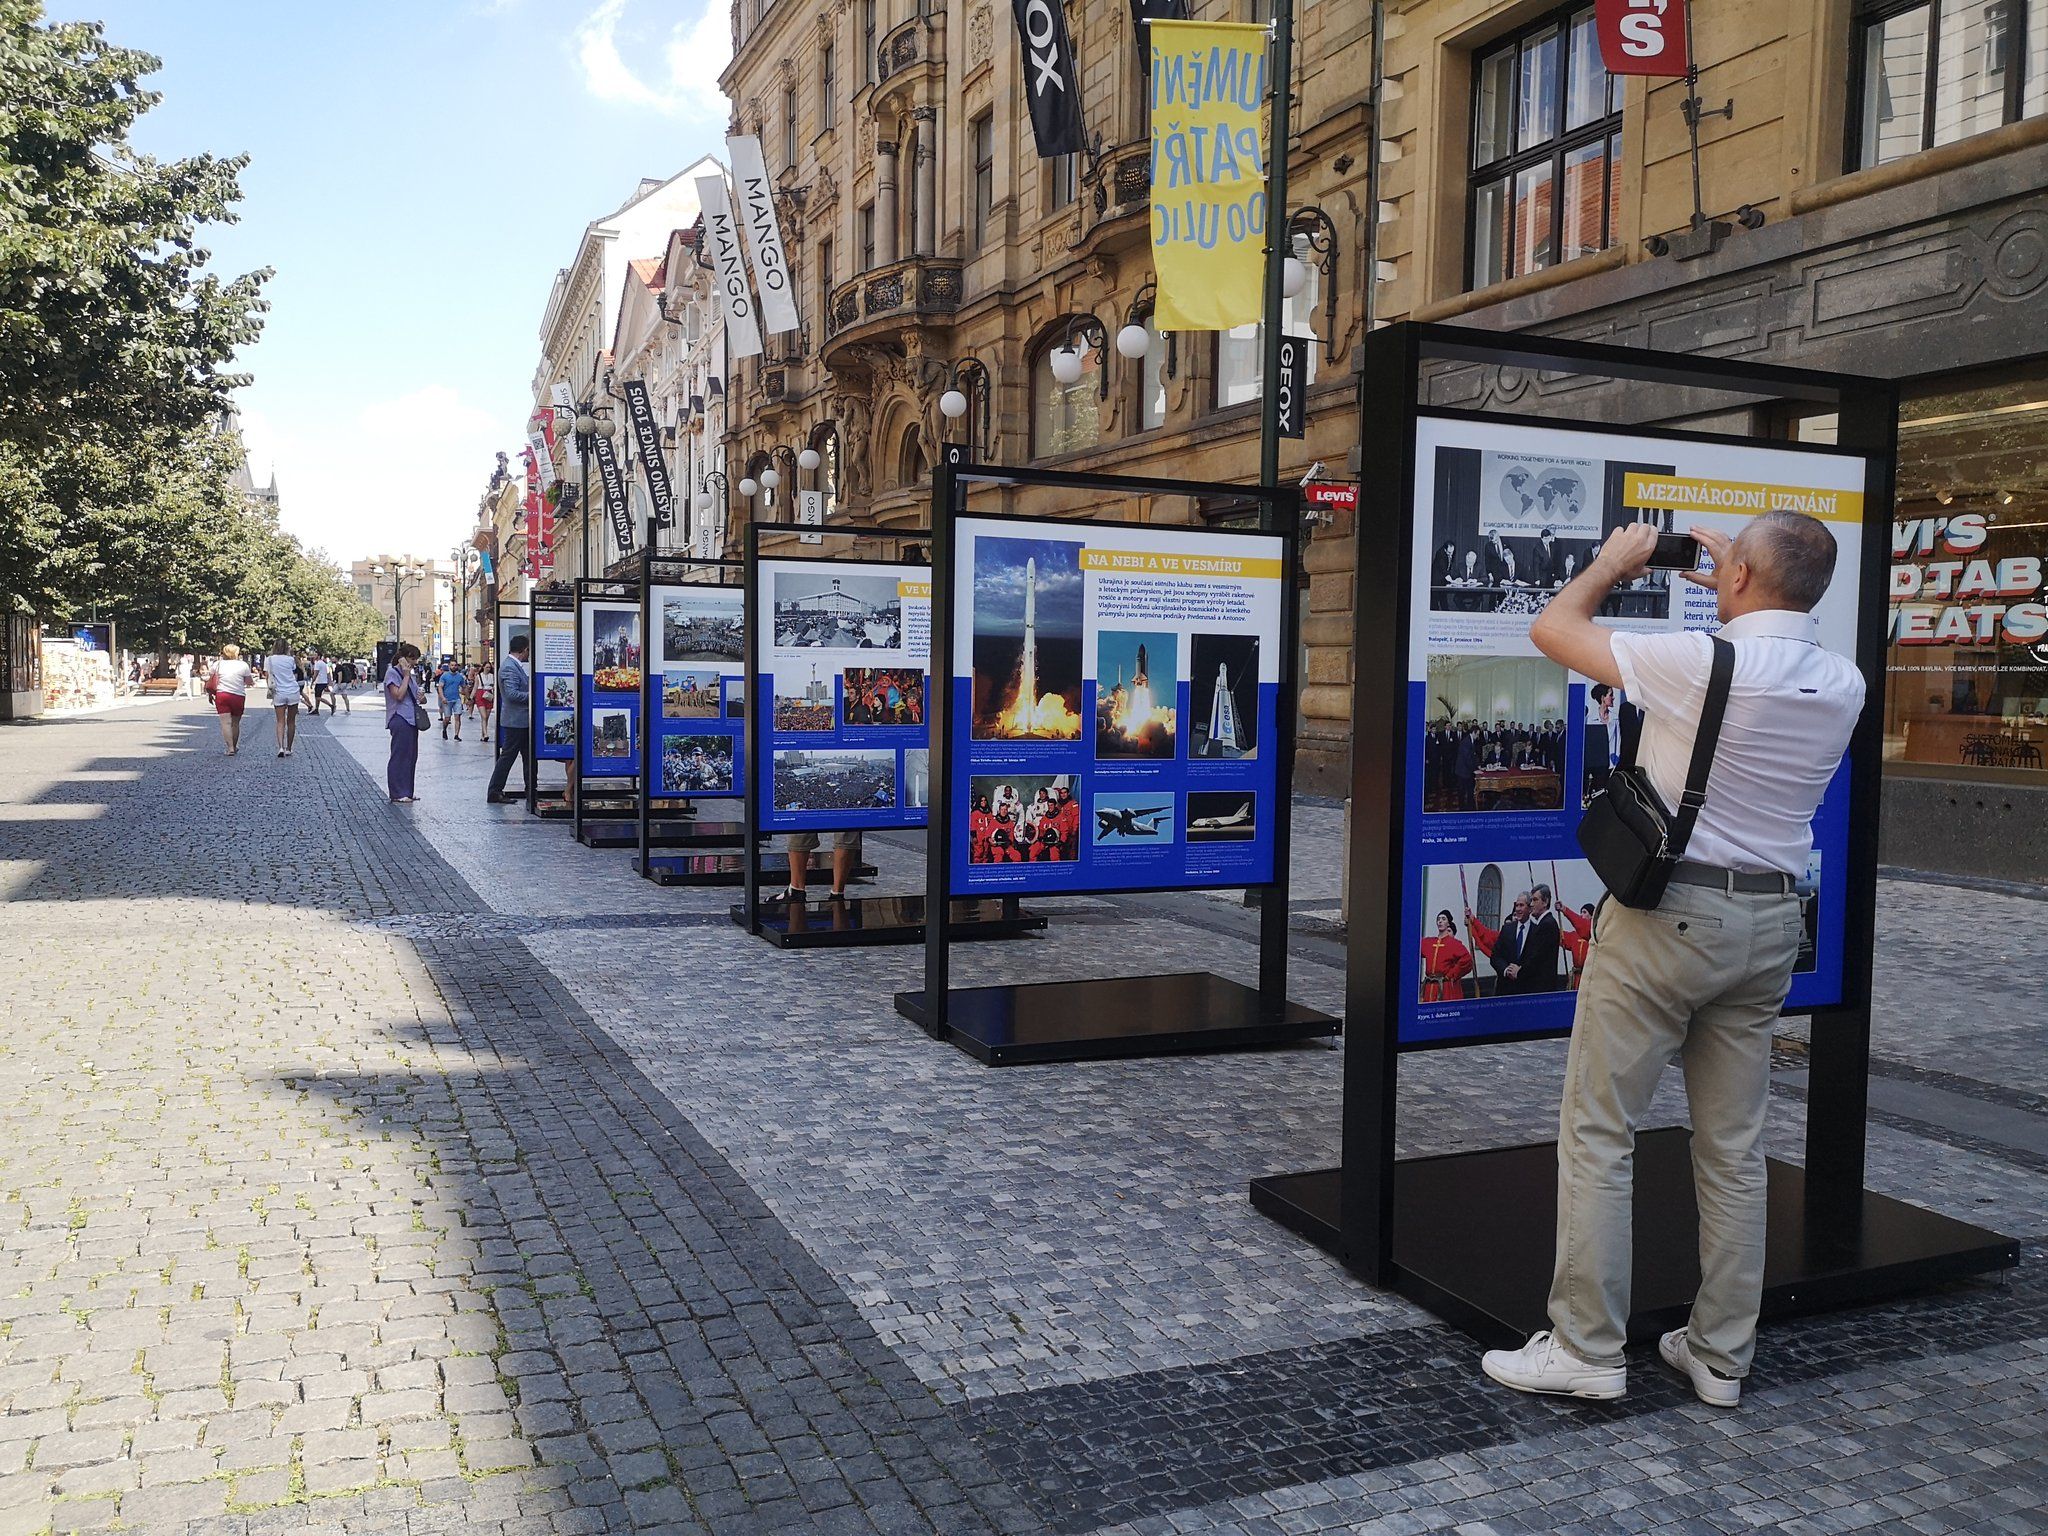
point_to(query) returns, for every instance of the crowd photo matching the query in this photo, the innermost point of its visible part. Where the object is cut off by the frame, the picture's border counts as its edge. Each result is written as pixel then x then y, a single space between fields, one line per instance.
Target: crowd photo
pixel 1023 819
pixel 698 765
pixel 1494 734
pixel 703 625
pixel 882 695
pixel 840 780
pixel 838 612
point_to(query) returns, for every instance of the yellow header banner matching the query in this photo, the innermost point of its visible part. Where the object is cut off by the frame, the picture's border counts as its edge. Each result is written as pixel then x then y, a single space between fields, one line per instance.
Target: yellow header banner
pixel 1208 90
pixel 914 588
pixel 1684 494
pixel 1145 562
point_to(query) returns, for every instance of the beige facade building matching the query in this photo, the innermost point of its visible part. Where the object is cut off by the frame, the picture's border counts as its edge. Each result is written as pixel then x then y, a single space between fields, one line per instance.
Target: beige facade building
pixel 1873 199
pixel 416 592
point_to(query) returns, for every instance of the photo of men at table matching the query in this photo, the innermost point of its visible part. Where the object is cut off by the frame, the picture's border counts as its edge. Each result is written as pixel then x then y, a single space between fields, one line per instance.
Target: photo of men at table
pixel 1494 734
pixel 1508 532
pixel 1505 929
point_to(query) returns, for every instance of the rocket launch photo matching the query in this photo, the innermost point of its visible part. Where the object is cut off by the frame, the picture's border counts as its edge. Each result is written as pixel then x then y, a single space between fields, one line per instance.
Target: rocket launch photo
pixel 1027 640
pixel 1137 685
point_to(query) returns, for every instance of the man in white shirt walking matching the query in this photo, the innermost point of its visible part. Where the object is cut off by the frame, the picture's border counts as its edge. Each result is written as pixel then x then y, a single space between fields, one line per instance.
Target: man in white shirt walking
pixel 1703 975
pixel 281 669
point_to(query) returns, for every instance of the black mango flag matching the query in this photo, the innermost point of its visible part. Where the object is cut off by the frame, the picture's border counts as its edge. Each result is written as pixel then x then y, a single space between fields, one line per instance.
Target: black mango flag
pixel 1052 85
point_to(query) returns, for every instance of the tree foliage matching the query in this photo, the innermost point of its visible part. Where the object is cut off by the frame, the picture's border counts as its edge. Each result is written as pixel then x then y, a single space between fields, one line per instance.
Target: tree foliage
pixel 117 347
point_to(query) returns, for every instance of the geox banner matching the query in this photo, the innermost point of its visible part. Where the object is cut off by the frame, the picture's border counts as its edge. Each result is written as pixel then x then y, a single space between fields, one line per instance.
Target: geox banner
pixel 729 268
pixel 648 436
pixel 1208 91
pixel 1052 85
pixel 614 484
pixel 764 233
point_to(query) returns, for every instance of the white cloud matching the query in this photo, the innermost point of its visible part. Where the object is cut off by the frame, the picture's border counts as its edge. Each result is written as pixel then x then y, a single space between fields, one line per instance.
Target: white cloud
pixel 696 53
pixel 400 476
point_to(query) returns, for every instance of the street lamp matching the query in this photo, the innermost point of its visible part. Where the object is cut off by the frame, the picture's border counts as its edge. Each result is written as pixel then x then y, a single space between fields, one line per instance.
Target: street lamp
pixel 400 572
pixel 705 501
pixel 590 426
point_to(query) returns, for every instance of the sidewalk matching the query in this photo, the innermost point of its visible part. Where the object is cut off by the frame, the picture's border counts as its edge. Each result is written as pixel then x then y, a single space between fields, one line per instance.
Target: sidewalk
pixel 408 1169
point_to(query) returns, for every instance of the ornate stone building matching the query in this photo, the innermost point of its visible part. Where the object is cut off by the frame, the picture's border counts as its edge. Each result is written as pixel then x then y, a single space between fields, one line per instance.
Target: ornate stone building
pixel 933 248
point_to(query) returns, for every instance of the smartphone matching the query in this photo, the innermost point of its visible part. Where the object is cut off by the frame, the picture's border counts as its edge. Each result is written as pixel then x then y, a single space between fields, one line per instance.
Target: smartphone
pixel 1676 552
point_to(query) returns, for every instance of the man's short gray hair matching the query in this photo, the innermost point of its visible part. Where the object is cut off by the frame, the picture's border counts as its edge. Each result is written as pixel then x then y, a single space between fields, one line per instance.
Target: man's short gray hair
pixel 1792 555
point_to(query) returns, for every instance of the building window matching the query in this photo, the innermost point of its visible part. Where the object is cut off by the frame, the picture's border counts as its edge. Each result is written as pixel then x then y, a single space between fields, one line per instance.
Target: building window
pixel 1929 72
pixel 1065 417
pixel 1059 182
pixel 984 176
pixel 864 225
pixel 828 87
pixel 912 468
pixel 826 441
pixel 825 277
pixel 1967 693
pixel 789 125
pixel 1152 378
pixel 1240 360
pixel 1546 149
pixel 869 67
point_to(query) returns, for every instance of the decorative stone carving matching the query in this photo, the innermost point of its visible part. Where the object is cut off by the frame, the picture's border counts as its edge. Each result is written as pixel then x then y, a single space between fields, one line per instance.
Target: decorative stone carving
pixel 981 35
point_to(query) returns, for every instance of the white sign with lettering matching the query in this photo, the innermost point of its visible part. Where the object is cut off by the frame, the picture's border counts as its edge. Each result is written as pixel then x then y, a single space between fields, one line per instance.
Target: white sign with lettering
pixel 764 234
pixel 729 269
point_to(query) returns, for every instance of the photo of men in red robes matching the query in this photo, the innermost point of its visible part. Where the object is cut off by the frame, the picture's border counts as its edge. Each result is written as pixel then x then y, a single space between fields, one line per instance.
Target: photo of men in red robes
pixel 1446 962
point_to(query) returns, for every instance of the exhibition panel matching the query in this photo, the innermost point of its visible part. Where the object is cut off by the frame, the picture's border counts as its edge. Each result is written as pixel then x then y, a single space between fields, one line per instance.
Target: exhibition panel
pixel 1118 716
pixel 1505 748
pixel 513 620
pixel 1470 908
pixel 610 647
pixel 1115 691
pixel 552 714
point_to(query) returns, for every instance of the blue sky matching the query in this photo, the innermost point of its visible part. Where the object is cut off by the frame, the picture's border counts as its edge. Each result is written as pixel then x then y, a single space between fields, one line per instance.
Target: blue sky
pixel 420 171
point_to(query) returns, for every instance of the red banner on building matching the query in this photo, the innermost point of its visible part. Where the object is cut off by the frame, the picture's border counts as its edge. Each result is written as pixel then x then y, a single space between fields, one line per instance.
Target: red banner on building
pixel 540 522
pixel 1642 37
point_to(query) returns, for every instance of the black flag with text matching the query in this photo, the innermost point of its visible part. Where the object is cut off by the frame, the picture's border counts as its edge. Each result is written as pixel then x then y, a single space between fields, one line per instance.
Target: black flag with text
pixel 1052 85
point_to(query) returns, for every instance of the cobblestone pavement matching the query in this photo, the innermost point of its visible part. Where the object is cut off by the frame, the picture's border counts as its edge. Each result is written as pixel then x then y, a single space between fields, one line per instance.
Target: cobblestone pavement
pixel 381 1170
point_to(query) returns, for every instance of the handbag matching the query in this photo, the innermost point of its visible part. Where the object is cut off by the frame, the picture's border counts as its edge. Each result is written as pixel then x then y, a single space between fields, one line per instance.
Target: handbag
pixel 1629 837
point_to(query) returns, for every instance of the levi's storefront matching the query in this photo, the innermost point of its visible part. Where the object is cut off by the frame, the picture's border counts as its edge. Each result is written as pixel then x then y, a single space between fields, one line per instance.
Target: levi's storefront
pixel 1966 706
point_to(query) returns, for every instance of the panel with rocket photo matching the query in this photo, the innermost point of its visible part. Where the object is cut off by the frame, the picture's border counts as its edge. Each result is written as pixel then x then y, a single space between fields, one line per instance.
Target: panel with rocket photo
pixel 1135 688
pixel 1027 640
pixel 1223 689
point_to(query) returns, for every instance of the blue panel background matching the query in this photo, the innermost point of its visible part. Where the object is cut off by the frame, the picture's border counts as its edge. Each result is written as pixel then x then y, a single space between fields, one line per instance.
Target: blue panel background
pixel 723 725
pixel 541 750
pixel 842 735
pixel 1541 836
pixel 1177 865
pixel 588 702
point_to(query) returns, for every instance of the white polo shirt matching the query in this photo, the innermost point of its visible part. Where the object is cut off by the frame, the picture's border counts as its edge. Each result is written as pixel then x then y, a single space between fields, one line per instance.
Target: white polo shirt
pixel 1791 709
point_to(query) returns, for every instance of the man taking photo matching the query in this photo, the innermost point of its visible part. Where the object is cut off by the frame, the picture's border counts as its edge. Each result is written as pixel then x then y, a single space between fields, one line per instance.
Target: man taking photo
pixel 515 696
pixel 1702 976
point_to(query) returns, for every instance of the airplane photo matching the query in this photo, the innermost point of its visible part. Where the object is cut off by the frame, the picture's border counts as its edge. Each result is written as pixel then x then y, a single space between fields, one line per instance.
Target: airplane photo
pixel 1217 823
pixel 1126 821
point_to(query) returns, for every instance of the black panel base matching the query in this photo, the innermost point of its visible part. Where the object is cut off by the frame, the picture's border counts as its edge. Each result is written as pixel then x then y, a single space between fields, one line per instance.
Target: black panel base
pixel 824 923
pixel 553 810
pixel 729 868
pixel 1114 1016
pixel 596 833
pixel 1474 1237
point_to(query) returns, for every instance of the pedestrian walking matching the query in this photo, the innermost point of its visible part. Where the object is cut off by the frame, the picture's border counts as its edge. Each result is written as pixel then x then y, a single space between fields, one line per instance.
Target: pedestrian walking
pixel 1703 975
pixel 405 717
pixel 323 684
pixel 484 697
pixel 227 684
pixel 448 686
pixel 281 670
pixel 515 702
pixel 186 664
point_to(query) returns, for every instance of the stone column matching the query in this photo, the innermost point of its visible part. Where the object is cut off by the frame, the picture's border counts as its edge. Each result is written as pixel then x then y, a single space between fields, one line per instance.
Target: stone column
pixel 885 202
pixel 925 207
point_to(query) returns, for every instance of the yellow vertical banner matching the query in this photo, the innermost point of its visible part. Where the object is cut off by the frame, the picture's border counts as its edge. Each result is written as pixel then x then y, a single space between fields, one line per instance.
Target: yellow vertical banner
pixel 1208 89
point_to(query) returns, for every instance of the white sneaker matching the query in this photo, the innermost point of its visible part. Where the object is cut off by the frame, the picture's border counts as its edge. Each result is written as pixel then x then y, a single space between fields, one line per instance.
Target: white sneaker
pixel 1708 1384
pixel 1544 1365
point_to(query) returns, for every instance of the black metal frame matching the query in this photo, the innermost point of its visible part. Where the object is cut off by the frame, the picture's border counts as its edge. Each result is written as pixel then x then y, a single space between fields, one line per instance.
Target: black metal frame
pixel 1603 129
pixel 518 610
pixel 1278 1020
pixel 1874 13
pixel 1356 1218
pixel 539 602
pixel 591 589
pixel 661 568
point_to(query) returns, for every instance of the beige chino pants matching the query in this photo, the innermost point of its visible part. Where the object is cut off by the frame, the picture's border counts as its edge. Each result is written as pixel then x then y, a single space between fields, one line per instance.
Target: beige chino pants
pixel 1702 978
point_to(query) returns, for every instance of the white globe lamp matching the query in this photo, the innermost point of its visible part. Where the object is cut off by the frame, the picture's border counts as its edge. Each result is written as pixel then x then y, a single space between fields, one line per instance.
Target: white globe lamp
pixel 1066 364
pixel 1132 341
pixel 809 459
pixel 748 487
pixel 952 405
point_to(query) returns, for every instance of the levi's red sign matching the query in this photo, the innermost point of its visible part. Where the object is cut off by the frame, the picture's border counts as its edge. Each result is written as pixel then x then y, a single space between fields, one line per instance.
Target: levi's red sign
pixel 1339 495
pixel 1641 37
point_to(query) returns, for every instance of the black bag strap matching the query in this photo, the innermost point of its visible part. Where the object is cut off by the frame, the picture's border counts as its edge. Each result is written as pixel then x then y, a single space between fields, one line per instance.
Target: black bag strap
pixel 1712 709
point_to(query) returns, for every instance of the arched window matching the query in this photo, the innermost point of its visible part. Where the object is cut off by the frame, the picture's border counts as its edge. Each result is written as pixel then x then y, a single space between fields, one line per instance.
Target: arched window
pixel 1065 417
pixel 1151 380
pixel 763 508
pixel 911 466
pixel 825 478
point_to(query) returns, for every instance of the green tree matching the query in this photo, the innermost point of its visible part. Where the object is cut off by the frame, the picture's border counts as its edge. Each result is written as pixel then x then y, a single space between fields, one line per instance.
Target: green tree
pixel 115 340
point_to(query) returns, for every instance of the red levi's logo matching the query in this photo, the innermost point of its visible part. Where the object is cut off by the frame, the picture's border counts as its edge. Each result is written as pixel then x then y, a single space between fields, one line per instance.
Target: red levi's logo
pixel 1641 37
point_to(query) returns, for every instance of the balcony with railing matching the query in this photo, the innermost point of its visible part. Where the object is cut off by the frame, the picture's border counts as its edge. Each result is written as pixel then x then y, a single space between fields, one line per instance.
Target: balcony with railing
pixel 916 289
pixel 1118 184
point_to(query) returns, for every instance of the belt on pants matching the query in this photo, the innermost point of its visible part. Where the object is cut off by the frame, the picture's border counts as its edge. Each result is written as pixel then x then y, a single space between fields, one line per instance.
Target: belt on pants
pixel 1733 881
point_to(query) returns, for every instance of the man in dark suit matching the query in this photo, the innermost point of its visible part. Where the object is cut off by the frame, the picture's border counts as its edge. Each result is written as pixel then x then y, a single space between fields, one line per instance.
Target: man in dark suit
pixel 1500 561
pixel 1465 769
pixel 1539 565
pixel 1510 954
pixel 1540 948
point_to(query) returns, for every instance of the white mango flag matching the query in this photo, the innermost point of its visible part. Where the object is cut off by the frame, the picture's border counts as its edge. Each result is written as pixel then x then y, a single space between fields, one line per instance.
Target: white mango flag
pixel 764 233
pixel 742 329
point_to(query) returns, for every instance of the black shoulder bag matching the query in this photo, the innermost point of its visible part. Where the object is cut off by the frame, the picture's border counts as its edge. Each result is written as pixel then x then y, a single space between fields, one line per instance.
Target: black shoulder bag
pixel 1630 839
